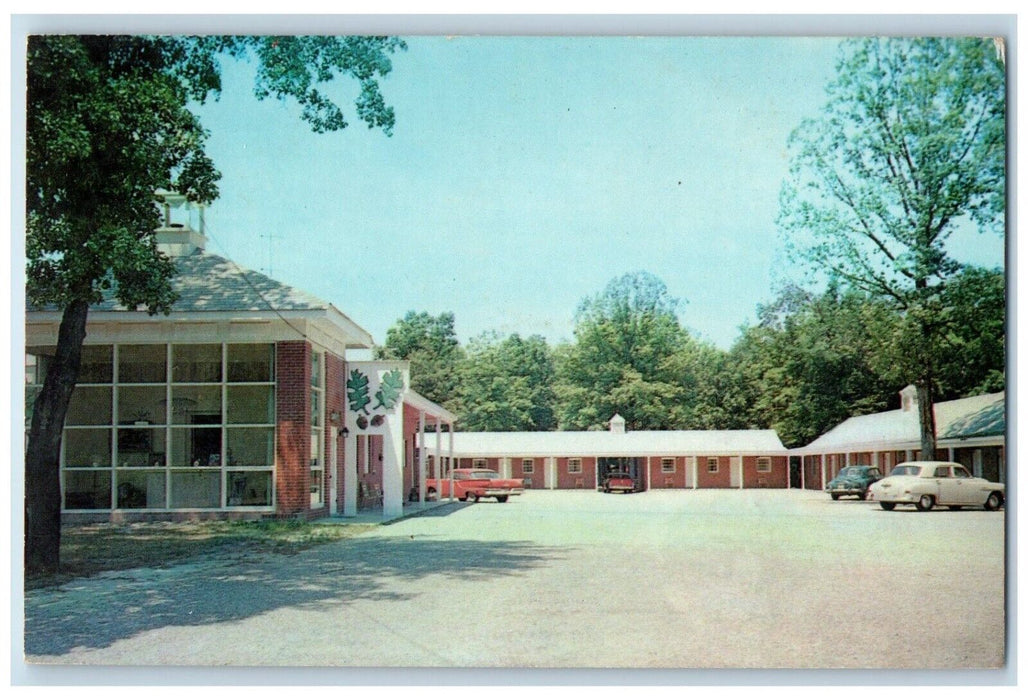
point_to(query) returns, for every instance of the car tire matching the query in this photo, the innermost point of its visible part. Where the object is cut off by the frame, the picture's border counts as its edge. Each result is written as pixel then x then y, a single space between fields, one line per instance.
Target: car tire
pixel 926 502
pixel 501 499
pixel 835 497
pixel 994 501
pixel 862 495
pixel 886 505
pixel 430 495
pixel 472 498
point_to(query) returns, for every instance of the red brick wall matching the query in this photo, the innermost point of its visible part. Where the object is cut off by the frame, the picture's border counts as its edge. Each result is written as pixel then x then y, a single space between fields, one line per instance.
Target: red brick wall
pixel 537 475
pixel 586 479
pixel 659 480
pixel 292 402
pixel 777 478
pixel 720 480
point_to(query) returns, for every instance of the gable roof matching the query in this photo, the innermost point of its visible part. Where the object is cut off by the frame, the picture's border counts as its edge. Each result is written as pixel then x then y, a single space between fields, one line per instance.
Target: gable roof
pixel 598 443
pixel 961 419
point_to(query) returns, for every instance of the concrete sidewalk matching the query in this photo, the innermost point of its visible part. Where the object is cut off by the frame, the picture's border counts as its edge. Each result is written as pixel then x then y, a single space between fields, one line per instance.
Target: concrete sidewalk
pixel 375 516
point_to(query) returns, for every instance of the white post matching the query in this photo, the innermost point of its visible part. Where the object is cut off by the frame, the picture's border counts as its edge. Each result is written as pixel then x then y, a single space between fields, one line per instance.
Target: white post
pixel 824 466
pixel 451 462
pixel 422 461
pixel 695 472
pixel 437 463
pixel 350 475
pixel 333 471
pixel 742 471
pixel 392 468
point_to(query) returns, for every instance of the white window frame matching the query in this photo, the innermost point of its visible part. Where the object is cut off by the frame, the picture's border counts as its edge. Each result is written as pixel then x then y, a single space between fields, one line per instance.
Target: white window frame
pixel 528 466
pixel 574 465
pixel 764 465
pixel 664 462
pixel 715 463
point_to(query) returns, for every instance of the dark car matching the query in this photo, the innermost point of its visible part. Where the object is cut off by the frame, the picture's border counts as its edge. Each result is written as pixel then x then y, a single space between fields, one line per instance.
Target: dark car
pixel 853 481
pixel 619 481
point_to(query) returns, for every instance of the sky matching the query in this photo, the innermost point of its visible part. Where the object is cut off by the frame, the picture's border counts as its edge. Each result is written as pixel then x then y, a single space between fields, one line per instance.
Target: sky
pixel 524 174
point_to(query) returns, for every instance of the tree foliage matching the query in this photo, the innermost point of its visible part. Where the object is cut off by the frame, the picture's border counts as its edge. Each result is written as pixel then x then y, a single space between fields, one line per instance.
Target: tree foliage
pixel 430 344
pixel 107 125
pixel 909 151
pixel 507 384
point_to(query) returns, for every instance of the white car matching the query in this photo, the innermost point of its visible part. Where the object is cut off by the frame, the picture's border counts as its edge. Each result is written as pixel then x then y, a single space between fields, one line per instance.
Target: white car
pixel 929 484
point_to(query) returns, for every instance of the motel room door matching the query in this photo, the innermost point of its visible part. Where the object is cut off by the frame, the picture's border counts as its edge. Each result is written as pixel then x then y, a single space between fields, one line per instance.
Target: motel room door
pixel 735 472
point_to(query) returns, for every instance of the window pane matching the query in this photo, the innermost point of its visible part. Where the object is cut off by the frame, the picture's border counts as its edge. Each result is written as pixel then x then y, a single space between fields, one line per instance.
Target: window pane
pixel 87 448
pixel 196 363
pixel 315 447
pixel 249 488
pixel 90 405
pixel 250 447
pixel 196 489
pixel 197 447
pixel 251 404
pixel 251 363
pixel 142 364
pixel 141 489
pixel 97 365
pixel 142 405
pixel 315 369
pixel 87 489
pixel 195 405
pixel 141 447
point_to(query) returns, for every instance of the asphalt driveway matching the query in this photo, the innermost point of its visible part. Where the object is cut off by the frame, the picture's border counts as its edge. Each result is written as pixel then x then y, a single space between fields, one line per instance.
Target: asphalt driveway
pixel 756 579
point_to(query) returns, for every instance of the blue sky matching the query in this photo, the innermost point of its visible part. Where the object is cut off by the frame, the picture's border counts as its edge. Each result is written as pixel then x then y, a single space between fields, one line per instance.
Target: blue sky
pixel 524 174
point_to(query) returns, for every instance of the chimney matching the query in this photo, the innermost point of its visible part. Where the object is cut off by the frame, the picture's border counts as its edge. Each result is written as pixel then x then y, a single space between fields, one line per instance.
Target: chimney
pixel 908 399
pixel 617 424
pixel 182 226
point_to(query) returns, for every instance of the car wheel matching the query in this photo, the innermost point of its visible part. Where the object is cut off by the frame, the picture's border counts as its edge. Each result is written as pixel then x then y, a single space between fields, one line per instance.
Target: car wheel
pixel 994 501
pixel 886 505
pixel 862 495
pixel 472 498
pixel 835 497
pixel 501 499
pixel 430 495
pixel 926 502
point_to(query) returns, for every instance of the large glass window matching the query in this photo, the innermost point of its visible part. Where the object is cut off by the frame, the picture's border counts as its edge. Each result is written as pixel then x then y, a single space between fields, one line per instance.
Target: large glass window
pixel 317 463
pixel 179 426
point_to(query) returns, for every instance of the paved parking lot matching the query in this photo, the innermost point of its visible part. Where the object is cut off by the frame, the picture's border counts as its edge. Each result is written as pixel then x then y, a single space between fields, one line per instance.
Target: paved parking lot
pixel 668 579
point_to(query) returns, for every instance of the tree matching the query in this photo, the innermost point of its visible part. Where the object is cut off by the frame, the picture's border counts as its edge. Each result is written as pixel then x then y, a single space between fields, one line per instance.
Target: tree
pixel 107 125
pixel 909 150
pixel 622 360
pixel 507 384
pixel 430 344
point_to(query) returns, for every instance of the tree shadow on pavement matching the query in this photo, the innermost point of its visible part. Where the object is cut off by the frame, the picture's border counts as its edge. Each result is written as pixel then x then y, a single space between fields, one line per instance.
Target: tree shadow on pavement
pixel 94 613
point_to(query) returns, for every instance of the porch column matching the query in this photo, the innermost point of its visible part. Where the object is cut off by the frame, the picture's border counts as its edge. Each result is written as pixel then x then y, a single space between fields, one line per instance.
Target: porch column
pixel 422 461
pixel 451 462
pixel 437 463
pixel 742 471
pixel 392 468
pixel 803 472
pixel 350 475
pixel 824 466
pixel 695 471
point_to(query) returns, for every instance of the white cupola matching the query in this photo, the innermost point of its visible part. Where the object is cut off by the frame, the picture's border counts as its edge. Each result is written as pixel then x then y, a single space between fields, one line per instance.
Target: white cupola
pixel 617 424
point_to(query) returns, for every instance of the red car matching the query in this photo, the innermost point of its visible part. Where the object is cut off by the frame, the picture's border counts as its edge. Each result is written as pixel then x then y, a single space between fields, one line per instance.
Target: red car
pixel 622 482
pixel 473 484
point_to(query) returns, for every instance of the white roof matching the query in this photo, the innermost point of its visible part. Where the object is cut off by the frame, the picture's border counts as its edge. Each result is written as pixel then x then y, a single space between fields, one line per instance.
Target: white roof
pixel 961 419
pixel 668 443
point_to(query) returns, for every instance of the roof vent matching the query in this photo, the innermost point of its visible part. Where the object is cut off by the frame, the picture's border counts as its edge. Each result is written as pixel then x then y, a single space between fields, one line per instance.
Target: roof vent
pixel 617 424
pixel 182 225
pixel 908 398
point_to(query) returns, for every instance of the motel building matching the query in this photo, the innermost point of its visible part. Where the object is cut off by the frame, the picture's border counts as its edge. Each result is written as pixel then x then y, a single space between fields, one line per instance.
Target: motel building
pixel 243 402
pixel 970 431
pixel 664 459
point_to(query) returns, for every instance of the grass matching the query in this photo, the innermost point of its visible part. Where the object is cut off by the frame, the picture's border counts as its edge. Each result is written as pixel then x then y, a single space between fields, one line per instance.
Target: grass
pixel 87 550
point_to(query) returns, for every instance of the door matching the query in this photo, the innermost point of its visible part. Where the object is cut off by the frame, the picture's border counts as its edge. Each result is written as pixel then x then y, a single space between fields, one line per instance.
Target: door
pixel 956 488
pixel 735 472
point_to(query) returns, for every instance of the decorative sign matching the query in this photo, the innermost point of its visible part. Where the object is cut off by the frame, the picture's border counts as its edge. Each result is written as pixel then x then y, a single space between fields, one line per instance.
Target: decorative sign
pixel 373 392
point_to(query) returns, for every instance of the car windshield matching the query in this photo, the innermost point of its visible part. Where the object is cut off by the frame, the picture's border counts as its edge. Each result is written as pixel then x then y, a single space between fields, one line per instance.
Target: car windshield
pixel 484 475
pixel 906 470
pixel 850 471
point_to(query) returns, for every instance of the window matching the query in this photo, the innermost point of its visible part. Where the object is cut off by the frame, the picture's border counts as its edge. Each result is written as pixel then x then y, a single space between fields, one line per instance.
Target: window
pixel 574 465
pixel 667 465
pixel 317 463
pixel 527 466
pixel 712 465
pixel 159 426
pixel 763 464
pixel 478 464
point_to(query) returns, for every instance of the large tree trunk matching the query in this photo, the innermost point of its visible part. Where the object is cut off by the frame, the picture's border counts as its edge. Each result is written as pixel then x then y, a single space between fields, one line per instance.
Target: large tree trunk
pixel 43 453
pixel 926 416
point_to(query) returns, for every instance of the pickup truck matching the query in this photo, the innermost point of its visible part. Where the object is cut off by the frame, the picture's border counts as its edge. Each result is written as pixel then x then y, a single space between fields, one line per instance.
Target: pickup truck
pixel 473 484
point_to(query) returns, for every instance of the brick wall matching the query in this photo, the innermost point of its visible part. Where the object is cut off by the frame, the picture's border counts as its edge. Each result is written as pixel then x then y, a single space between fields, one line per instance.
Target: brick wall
pixel 292 402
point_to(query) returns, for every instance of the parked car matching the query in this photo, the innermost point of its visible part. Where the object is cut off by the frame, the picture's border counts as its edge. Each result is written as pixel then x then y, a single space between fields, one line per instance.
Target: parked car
pixel 929 484
pixel 622 482
pixel 473 484
pixel 853 481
